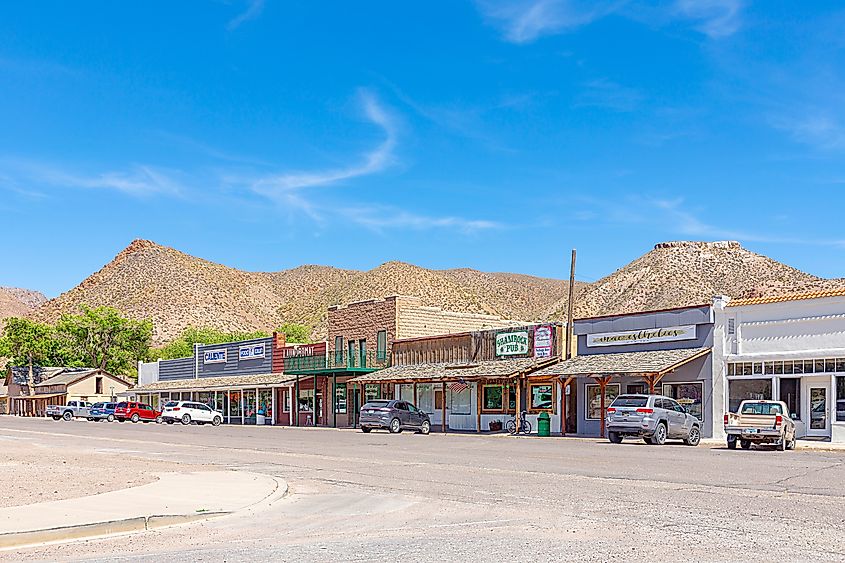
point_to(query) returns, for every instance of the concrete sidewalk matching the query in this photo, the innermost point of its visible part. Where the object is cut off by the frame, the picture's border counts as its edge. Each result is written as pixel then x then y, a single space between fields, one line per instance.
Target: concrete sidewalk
pixel 175 498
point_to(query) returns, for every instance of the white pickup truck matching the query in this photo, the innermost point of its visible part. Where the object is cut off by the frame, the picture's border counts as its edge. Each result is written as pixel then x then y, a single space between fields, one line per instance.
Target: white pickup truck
pixel 73 409
pixel 760 422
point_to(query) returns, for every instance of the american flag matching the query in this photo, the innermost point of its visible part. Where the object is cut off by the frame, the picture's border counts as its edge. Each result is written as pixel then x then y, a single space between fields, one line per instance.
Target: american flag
pixel 458 386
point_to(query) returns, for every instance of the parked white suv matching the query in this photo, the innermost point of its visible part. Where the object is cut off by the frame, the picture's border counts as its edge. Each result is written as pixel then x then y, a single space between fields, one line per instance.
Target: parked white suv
pixel 187 412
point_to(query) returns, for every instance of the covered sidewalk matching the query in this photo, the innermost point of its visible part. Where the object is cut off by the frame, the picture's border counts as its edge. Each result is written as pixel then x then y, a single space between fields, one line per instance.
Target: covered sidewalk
pixel 460 398
pixel 650 366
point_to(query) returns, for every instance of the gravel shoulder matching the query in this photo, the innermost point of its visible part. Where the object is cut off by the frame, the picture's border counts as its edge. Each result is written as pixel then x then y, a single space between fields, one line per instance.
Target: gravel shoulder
pixel 33 473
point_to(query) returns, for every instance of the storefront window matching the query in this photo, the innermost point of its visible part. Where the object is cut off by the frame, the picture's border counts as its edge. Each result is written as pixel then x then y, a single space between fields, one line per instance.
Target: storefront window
pixel 461 402
pixel 790 393
pixel 594 399
pixel 220 402
pixel 425 398
pixel 265 403
pixel 840 398
pixel 206 398
pixel 748 389
pixel 492 396
pixel 250 411
pixel 406 392
pixel 340 398
pixel 234 406
pixel 285 400
pixel 306 399
pixel 690 395
pixel 512 398
pixel 372 392
pixel 542 397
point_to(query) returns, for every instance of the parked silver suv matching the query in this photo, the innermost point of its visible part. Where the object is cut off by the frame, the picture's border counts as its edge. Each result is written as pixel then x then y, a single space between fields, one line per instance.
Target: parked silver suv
pixel 654 418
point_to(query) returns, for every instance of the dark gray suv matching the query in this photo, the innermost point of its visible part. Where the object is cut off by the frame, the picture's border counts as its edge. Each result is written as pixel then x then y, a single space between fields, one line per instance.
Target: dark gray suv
pixel 393 415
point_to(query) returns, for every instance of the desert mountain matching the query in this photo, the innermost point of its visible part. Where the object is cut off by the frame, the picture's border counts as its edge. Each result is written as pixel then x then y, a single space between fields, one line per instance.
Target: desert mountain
pixel 176 290
pixel 16 302
pixel 676 274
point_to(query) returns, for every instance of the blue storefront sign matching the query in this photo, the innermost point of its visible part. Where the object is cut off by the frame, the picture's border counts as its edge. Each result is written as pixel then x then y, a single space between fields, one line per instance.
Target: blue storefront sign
pixel 251 351
pixel 216 356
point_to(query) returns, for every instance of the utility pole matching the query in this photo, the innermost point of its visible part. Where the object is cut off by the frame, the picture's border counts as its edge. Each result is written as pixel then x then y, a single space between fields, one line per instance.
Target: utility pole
pixel 570 308
pixel 569 336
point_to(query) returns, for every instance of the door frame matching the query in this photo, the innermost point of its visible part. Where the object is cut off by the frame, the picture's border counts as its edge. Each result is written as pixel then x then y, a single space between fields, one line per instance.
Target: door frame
pixel 816 382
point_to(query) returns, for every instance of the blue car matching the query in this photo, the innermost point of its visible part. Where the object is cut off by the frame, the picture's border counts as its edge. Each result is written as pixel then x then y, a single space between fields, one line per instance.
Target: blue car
pixel 102 411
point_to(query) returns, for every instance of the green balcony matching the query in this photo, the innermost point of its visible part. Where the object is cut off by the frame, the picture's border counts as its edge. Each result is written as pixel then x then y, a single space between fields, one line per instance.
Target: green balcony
pixel 337 361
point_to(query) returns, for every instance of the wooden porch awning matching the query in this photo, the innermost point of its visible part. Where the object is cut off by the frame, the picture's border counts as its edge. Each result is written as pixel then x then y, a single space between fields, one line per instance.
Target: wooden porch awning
pixel 213 383
pixel 440 372
pixel 657 362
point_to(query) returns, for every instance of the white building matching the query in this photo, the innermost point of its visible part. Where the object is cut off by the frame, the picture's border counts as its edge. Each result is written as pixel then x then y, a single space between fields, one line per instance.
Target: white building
pixel 789 348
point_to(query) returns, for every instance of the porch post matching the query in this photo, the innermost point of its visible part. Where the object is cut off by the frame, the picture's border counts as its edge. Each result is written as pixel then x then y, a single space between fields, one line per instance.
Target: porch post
pixel 314 405
pixel 296 401
pixel 518 405
pixel 443 407
pixel 478 406
pixel 416 404
pixel 334 400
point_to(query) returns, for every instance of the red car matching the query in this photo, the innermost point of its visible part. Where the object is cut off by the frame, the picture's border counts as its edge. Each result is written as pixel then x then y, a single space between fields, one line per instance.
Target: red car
pixel 135 412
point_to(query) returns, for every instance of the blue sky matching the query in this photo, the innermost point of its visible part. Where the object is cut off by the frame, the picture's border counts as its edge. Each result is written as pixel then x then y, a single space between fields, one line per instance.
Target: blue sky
pixel 491 134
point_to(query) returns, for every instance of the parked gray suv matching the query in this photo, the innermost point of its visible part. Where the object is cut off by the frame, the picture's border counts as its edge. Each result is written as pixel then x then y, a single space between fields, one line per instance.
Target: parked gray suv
pixel 654 418
pixel 395 416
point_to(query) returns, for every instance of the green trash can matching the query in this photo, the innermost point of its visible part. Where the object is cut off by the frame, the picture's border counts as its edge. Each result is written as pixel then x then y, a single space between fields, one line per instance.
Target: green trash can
pixel 544 425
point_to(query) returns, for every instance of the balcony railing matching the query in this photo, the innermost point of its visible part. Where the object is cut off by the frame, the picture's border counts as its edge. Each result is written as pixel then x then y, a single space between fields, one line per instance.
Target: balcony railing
pixel 338 360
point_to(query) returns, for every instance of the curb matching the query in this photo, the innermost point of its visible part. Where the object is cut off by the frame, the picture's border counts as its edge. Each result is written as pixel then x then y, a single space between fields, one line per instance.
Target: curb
pixel 136 524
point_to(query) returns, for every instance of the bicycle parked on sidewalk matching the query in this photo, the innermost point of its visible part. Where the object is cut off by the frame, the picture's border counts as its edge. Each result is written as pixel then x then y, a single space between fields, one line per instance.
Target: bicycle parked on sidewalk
pixel 524 425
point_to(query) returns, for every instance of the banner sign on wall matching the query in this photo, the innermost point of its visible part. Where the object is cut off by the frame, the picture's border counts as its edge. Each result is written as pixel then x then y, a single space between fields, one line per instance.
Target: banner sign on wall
pixel 299 350
pixel 512 343
pixel 543 342
pixel 251 351
pixel 670 334
pixel 216 356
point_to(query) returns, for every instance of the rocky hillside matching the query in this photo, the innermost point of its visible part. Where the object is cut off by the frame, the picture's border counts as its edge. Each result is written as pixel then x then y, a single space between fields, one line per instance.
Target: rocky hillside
pixel 176 290
pixel 676 274
pixel 16 302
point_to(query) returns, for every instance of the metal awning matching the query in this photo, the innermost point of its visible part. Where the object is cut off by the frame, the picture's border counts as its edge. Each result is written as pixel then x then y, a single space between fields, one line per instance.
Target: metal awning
pixel 443 372
pixel 656 362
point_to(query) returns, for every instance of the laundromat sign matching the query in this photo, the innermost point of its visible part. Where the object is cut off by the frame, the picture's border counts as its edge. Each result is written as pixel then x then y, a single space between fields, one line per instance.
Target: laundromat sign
pixel 669 334
pixel 512 343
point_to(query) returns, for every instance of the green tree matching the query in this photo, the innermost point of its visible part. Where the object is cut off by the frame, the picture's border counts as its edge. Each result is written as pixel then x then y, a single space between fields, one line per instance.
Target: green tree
pixel 183 346
pixel 102 338
pixel 295 333
pixel 29 343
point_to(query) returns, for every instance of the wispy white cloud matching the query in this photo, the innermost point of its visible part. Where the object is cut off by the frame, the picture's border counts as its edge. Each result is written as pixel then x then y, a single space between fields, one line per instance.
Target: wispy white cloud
pixel 604 93
pixel 286 184
pixel 714 18
pixel 253 10
pixel 678 218
pixel 381 218
pixel 138 180
pixel 818 128
pixel 524 21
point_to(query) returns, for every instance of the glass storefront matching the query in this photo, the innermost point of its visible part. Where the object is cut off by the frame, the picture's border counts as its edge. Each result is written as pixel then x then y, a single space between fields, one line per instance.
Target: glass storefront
pixel 249 406
pixel 748 389
pixel 594 399
pixel 265 405
pixel 840 399
pixel 542 397
pixel 690 395
pixel 234 400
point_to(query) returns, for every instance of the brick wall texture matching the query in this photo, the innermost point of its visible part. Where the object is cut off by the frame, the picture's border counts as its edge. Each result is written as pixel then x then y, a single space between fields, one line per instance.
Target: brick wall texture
pixel 402 317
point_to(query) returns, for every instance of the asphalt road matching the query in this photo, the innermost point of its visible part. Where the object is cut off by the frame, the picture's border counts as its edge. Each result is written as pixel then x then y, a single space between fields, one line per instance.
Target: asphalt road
pixel 362 497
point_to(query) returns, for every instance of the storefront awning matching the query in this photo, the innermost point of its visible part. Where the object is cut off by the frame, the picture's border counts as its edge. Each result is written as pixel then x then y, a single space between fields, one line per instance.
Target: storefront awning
pixel 214 383
pixel 38 397
pixel 657 362
pixel 443 372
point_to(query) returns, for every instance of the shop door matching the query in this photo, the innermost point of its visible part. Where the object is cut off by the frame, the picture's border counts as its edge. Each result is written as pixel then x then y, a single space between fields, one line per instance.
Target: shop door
pixel 818 423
